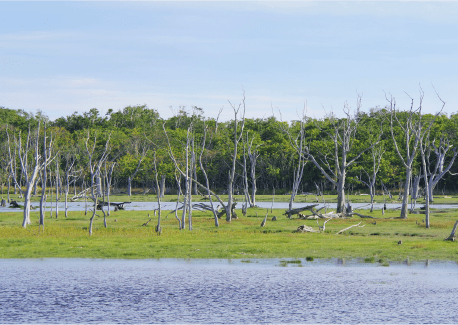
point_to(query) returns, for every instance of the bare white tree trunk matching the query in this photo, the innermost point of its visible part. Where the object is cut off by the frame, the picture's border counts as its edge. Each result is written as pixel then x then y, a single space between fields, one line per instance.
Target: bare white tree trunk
pixel 95 165
pixel 158 192
pixel 44 178
pixel 440 170
pixel 425 172
pixel 162 189
pixel 342 136
pixel 237 137
pixel 245 181
pixel 413 129
pixel 178 180
pixel 298 172
pixel 109 177
pixel 131 177
pixel 377 153
pixel 57 188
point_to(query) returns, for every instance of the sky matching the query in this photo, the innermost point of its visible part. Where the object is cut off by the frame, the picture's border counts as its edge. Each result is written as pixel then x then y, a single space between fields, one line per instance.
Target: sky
pixel 62 57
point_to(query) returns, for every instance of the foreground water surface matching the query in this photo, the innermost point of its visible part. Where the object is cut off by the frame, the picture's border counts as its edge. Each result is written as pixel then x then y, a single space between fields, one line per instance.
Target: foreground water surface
pixel 225 291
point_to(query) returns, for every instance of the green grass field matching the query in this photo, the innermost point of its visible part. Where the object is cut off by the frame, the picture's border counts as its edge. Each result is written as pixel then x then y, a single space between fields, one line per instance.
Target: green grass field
pixel 125 237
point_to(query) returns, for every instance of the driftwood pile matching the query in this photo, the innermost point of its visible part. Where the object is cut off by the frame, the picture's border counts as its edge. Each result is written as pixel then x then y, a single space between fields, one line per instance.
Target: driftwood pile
pixel 316 215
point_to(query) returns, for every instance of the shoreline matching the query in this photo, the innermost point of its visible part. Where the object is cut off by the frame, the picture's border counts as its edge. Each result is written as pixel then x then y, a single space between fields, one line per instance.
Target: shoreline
pixel 258 262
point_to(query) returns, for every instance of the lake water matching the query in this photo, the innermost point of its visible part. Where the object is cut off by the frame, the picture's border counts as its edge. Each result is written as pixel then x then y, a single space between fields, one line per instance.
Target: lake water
pixel 225 291
pixel 143 206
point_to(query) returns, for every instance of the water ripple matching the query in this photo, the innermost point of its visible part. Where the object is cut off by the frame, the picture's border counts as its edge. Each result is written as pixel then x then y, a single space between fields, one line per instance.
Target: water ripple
pixel 170 291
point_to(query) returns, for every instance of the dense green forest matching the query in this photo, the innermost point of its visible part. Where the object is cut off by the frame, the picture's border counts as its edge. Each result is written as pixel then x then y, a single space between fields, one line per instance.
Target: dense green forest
pixel 136 135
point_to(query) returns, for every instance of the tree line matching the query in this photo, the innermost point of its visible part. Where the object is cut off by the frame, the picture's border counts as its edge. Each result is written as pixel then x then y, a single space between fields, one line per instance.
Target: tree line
pixel 382 150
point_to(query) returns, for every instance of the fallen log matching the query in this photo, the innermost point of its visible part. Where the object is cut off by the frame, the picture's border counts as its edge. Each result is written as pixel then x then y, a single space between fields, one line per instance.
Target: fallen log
pixel 357 225
pixel 291 212
pixel 119 206
pixel 362 215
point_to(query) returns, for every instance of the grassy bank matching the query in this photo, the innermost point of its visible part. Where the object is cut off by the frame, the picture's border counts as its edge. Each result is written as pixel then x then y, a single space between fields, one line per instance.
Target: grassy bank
pixel 125 237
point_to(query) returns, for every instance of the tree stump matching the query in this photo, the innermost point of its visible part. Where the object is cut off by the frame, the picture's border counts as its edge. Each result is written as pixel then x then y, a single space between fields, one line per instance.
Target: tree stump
pixel 452 236
pixel 305 228
pixel 14 204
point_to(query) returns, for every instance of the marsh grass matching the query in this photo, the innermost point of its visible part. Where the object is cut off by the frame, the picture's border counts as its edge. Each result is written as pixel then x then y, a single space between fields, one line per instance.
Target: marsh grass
pixel 242 238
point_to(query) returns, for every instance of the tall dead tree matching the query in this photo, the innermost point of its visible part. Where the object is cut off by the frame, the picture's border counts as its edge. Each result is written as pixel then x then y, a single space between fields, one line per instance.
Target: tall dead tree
pixel 298 143
pixel 131 177
pixel 30 170
pixel 413 131
pixel 423 145
pixel 342 155
pixel 57 186
pixel 185 172
pixel 70 177
pixel 376 153
pixel 440 167
pixel 108 179
pixel 44 179
pixel 253 154
pixel 204 172
pixel 238 133
pixel 158 192
pixel 95 163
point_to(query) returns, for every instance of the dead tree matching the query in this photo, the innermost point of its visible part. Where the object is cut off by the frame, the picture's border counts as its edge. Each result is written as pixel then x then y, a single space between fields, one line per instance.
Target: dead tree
pixel 57 187
pixel 253 155
pixel 342 154
pixel 108 178
pixel 415 192
pixel 376 153
pixel 184 171
pixel 12 164
pixel 423 146
pixel 162 186
pixel 452 236
pixel 69 174
pixel 298 143
pixel 237 137
pixel 440 169
pixel 413 130
pixel 30 172
pixel 131 177
pixel 46 153
pixel 204 172
pixel 95 163
pixel 178 180
pixel 158 192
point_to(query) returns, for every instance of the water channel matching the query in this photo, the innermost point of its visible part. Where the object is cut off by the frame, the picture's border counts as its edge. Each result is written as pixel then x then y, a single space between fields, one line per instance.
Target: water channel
pixel 143 206
pixel 225 291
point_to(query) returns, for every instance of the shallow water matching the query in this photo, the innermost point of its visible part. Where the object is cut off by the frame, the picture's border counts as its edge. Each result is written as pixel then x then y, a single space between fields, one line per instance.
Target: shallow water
pixel 143 206
pixel 222 291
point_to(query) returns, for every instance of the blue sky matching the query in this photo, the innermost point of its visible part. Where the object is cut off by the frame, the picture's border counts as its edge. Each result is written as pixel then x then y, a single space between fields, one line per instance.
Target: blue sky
pixel 61 57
